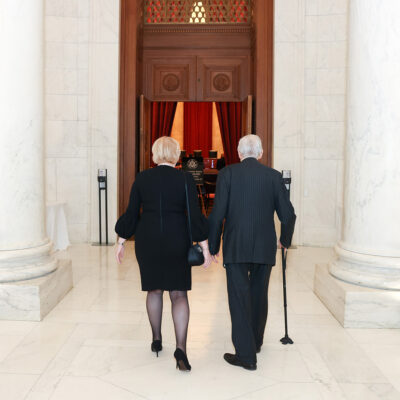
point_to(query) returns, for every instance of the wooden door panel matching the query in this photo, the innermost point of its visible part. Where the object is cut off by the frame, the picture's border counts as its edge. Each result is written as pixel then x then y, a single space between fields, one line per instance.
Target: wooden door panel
pixel 247 116
pixel 144 133
pixel 223 78
pixel 170 78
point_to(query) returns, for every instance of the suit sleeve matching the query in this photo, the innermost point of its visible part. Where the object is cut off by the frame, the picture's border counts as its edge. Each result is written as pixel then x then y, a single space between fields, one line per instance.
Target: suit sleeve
pixel 127 223
pixel 285 212
pixel 218 213
pixel 199 221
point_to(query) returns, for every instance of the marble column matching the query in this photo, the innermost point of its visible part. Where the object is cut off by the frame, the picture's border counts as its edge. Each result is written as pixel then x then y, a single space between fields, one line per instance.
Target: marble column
pixel 369 249
pixel 26 265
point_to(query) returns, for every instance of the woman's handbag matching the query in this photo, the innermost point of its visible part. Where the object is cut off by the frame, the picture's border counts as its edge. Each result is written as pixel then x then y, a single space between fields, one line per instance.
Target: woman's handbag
pixel 195 253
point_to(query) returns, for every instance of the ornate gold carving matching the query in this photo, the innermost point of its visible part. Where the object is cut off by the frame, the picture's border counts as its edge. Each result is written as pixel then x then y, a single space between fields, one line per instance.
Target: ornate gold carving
pixel 221 82
pixel 197 12
pixel 170 82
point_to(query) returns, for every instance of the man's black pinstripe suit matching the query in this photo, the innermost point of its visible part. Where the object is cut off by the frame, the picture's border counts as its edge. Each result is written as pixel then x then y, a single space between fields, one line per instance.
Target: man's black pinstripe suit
pixel 247 196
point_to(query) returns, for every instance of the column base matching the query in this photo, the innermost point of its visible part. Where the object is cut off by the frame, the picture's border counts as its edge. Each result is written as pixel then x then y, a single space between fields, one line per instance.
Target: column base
pixel 357 268
pixel 357 306
pixel 32 300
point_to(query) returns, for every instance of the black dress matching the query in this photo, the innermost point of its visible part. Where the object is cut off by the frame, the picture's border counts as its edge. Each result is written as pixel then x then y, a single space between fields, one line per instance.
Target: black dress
pixel 156 215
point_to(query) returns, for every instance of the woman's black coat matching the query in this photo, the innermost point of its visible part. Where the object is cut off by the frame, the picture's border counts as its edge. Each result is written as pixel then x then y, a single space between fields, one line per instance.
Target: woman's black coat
pixel 156 215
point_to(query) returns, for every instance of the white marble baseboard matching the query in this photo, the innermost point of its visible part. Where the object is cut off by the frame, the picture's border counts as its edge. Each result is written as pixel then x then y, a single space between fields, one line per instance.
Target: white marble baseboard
pixel 356 306
pixel 32 300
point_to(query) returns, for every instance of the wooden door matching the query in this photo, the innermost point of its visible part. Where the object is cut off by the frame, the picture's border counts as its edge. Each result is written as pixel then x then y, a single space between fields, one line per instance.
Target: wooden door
pixel 138 38
pixel 224 78
pixel 169 77
pixel 247 116
pixel 197 77
pixel 144 134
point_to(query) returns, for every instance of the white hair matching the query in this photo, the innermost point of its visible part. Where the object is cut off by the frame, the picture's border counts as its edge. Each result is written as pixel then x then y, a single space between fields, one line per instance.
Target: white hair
pixel 166 150
pixel 250 146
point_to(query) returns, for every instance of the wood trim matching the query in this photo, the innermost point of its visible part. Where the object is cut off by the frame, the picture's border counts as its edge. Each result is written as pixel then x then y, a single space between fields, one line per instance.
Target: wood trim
pixel 247 116
pixel 197 28
pixel 207 40
pixel 144 133
pixel 264 75
pixel 128 94
pixel 158 64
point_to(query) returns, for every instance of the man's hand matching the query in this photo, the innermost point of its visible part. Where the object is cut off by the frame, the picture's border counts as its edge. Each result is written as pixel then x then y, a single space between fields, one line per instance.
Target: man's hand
pixel 280 246
pixel 215 258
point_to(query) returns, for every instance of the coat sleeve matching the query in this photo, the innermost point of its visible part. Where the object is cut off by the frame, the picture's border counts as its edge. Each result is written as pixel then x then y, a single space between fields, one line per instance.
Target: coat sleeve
pixel 199 221
pixel 285 212
pixel 218 212
pixel 127 223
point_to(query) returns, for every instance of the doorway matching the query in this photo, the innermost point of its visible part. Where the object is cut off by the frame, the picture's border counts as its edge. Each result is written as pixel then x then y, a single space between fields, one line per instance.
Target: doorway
pixel 197 126
pixel 171 59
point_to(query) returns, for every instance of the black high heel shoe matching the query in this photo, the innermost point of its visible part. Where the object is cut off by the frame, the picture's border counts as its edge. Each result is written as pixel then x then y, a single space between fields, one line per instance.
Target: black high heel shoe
pixel 156 346
pixel 182 363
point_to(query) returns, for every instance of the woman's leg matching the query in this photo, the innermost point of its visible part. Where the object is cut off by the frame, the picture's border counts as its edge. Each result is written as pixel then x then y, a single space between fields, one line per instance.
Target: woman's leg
pixel 180 315
pixel 154 305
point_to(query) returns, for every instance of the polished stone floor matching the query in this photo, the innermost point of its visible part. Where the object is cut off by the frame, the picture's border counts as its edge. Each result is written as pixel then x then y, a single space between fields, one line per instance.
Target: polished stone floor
pixel 96 343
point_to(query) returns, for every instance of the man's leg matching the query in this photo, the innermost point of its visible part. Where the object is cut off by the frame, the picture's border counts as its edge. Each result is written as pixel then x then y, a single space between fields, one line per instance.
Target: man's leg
pixel 259 281
pixel 240 308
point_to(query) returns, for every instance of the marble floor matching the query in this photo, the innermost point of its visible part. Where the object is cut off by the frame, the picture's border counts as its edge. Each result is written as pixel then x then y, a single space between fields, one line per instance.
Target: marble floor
pixel 96 343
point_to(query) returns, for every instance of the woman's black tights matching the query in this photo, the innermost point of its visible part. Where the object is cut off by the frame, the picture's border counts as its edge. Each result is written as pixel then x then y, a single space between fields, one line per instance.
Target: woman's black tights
pixel 180 314
pixel 154 305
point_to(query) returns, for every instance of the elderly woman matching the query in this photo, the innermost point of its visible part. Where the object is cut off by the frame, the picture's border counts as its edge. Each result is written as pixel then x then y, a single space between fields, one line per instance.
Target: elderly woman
pixel 157 216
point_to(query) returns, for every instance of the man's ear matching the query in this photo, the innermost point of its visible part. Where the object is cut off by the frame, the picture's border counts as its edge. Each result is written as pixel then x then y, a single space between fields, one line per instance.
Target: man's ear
pixel 261 154
pixel 240 156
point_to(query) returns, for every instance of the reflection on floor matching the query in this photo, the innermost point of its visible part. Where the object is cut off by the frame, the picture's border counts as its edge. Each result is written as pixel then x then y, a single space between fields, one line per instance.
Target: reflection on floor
pixel 96 343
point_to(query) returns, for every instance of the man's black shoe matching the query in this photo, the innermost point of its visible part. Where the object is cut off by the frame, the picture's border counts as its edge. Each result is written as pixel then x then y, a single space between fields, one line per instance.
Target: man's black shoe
pixel 234 360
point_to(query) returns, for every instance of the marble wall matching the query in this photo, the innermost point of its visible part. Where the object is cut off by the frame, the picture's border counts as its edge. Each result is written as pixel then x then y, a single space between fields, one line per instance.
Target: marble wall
pixel 82 102
pixel 81 98
pixel 309 126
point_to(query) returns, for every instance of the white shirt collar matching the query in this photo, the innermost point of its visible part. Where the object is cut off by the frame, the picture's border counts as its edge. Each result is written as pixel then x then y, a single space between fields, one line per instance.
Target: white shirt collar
pixel 167 164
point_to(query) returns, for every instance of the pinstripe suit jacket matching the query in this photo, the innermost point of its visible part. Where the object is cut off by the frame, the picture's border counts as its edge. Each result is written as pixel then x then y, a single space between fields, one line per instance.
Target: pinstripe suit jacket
pixel 247 196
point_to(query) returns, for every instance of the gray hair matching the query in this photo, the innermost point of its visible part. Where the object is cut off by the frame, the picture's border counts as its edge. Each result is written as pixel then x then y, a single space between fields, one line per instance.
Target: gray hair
pixel 250 146
pixel 166 150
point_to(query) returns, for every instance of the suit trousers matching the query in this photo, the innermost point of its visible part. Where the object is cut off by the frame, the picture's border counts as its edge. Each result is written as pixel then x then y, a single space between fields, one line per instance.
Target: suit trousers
pixel 248 306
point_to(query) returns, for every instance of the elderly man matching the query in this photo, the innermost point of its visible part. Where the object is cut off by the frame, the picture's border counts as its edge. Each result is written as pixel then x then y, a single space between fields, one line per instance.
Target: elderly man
pixel 247 196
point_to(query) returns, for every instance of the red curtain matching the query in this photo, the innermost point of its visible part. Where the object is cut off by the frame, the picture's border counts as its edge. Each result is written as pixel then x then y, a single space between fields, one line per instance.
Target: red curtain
pixel 162 118
pixel 197 119
pixel 230 124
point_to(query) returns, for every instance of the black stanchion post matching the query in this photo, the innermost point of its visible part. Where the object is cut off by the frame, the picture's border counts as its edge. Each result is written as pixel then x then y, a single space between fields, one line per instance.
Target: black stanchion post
pixel 102 180
pixel 287 180
pixel 106 214
pixel 99 215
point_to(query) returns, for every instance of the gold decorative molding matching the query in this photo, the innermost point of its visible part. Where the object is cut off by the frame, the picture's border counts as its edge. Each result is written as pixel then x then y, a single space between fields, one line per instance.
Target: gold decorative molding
pixel 203 12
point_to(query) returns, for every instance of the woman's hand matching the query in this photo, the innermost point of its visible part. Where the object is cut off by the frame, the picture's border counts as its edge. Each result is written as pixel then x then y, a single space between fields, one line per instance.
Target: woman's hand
pixel 120 251
pixel 207 258
pixel 206 253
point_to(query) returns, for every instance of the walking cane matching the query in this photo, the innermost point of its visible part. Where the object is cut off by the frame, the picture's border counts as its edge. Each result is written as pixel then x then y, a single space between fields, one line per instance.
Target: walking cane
pixel 286 339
